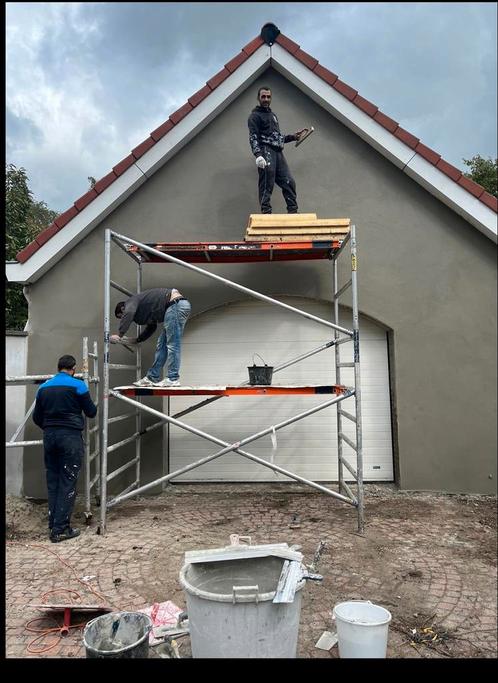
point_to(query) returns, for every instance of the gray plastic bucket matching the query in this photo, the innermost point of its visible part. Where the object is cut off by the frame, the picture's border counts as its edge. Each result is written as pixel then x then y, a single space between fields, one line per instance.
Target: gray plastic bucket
pixel 231 613
pixel 118 635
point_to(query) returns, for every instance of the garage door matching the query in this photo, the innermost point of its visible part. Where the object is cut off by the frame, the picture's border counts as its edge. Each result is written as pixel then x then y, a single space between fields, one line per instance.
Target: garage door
pixel 219 345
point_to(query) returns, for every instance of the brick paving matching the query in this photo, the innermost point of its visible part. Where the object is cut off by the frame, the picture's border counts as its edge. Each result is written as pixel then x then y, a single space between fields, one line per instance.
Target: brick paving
pixel 429 560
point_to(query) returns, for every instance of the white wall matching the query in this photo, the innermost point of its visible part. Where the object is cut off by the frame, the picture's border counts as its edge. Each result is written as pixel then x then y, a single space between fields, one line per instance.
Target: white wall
pixel 16 347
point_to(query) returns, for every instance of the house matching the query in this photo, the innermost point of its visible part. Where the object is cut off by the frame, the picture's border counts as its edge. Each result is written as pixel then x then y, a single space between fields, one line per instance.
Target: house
pixel 426 278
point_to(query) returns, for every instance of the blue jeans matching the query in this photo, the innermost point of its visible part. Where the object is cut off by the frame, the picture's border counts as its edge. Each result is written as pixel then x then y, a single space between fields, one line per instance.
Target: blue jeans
pixel 169 344
pixel 63 451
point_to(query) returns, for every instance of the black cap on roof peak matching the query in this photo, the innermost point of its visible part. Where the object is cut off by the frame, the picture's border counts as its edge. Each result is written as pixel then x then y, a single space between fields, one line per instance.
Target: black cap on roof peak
pixel 269 32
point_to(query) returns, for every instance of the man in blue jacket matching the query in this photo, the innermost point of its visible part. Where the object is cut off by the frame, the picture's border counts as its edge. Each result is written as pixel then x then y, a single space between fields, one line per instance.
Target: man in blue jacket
pixel 267 144
pixel 60 402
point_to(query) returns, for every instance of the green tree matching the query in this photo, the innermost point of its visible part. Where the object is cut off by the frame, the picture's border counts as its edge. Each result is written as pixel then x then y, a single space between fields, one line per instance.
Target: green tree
pixel 484 172
pixel 25 219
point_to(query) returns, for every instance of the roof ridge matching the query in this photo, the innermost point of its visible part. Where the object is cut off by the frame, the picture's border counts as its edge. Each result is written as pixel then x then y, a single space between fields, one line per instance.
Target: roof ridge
pixel 311 63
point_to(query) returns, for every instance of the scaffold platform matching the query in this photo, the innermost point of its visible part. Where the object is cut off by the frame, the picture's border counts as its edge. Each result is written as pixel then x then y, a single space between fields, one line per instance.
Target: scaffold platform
pixel 239 252
pixel 222 390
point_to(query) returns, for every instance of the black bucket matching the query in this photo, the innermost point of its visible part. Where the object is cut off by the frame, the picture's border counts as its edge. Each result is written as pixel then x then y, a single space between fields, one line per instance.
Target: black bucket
pixel 260 374
pixel 118 635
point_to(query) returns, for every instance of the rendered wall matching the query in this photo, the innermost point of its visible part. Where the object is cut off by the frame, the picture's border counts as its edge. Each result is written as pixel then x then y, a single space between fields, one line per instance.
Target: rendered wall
pixel 423 272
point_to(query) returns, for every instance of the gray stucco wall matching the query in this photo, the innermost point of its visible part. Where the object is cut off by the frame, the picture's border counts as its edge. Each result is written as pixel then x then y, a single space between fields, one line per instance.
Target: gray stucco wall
pixel 424 273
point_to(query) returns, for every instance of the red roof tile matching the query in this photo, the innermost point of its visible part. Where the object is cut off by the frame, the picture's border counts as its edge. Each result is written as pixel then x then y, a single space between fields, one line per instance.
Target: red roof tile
pixel 65 217
pixel 306 59
pixel 104 182
pixel 85 199
pixel 143 147
pixel 162 130
pixel 406 137
pixel 199 96
pixel 365 105
pixel 124 165
pixel 216 80
pixel 254 45
pixel 489 200
pixel 287 43
pixel 327 76
pixel 181 113
pixel 428 153
pixel 236 61
pixel 386 121
pixel 46 234
pixel 27 252
pixel 448 169
pixel 345 89
pixel 470 186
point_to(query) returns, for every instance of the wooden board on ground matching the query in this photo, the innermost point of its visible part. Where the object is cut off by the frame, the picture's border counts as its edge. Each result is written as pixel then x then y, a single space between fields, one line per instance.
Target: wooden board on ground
pixel 336 237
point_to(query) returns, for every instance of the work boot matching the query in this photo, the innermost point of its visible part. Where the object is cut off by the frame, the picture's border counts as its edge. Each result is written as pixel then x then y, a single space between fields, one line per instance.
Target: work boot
pixel 65 535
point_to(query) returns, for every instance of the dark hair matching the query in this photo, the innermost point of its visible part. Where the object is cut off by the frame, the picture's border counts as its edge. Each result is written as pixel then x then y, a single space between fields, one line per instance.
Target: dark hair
pixel 119 308
pixel 263 87
pixel 66 362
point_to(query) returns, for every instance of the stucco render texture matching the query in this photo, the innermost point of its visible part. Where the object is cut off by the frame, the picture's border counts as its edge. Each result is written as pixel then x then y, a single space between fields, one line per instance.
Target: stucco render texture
pixel 429 559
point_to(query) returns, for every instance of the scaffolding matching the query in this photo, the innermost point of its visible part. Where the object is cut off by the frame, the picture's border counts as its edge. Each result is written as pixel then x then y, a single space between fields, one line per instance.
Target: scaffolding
pixel 91 437
pixel 185 254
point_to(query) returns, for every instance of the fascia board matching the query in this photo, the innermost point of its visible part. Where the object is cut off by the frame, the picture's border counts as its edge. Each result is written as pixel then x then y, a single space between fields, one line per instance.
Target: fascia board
pixel 77 229
pixel 341 108
pixel 205 112
pixel 454 196
pixel 163 150
pixel 414 165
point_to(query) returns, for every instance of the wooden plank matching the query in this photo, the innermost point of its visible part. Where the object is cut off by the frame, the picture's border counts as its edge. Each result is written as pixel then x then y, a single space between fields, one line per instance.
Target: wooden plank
pixel 318 223
pixel 279 218
pixel 308 230
pixel 297 238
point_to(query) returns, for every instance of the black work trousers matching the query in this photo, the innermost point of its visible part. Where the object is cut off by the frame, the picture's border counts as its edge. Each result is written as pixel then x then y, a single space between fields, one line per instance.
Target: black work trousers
pixel 64 451
pixel 276 171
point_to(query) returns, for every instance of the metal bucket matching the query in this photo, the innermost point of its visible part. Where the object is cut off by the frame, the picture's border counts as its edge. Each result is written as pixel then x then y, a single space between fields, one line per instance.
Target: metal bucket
pixel 231 613
pixel 118 635
pixel 260 374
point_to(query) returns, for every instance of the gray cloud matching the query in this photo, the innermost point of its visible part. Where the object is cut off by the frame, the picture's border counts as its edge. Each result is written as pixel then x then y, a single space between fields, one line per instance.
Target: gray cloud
pixel 86 82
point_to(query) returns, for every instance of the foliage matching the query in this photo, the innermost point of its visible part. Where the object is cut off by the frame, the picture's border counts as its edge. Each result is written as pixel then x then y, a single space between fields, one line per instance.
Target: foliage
pixel 484 172
pixel 25 219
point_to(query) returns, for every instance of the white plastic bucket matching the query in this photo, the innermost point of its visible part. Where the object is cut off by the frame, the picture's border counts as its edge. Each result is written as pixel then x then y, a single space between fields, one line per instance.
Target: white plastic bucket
pixel 362 629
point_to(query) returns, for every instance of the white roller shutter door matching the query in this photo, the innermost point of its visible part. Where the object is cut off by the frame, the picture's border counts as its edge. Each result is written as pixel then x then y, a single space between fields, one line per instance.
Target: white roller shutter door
pixel 219 345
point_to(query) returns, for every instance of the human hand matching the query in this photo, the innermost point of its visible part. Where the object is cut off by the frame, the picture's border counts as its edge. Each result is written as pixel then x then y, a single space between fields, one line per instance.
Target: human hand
pixel 298 133
pixel 115 339
pixel 260 162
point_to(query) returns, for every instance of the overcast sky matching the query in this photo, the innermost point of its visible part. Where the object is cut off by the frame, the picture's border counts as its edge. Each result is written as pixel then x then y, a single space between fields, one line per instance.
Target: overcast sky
pixel 86 82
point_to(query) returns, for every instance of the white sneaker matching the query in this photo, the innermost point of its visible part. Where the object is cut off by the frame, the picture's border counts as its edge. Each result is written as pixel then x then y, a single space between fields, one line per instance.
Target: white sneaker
pixel 168 383
pixel 144 382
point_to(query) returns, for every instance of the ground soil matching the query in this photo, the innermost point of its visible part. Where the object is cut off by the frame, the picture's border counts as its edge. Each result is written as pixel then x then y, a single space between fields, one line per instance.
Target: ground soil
pixel 429 558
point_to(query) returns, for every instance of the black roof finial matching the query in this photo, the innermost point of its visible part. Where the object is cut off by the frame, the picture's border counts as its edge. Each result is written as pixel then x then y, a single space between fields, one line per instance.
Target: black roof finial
pixel 269 32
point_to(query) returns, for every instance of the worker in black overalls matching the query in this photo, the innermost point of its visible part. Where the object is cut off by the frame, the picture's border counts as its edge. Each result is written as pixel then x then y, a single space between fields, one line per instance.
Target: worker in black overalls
pixel 267 144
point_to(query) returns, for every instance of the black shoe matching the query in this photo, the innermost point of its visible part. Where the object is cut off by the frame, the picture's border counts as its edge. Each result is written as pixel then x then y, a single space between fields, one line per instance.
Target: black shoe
pixel 65 535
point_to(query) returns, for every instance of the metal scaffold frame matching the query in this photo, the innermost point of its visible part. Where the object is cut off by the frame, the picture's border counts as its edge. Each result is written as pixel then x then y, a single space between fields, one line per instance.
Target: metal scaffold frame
pixel 141 253
pixel 90 433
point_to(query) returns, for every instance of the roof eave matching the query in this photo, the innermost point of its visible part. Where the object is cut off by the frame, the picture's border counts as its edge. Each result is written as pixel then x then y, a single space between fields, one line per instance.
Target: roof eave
pixel 381 139
pixel 144 167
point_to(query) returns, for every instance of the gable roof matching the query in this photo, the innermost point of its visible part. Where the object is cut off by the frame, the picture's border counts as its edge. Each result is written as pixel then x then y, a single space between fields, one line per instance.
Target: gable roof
pixel 406 151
